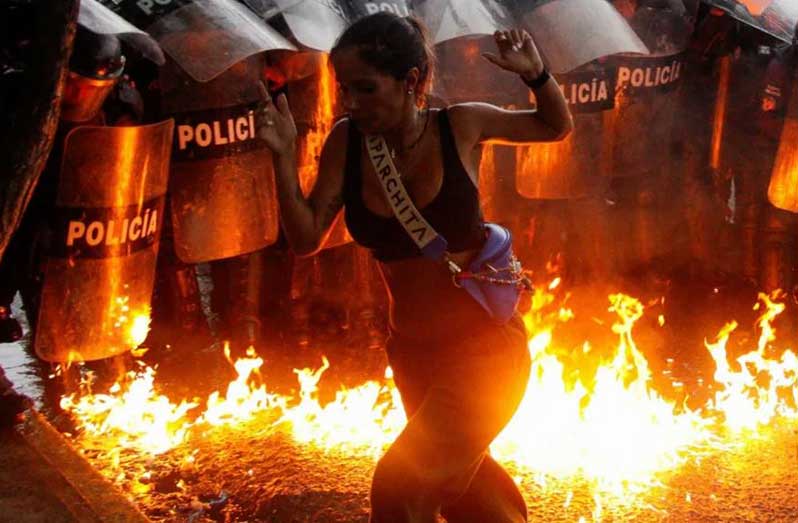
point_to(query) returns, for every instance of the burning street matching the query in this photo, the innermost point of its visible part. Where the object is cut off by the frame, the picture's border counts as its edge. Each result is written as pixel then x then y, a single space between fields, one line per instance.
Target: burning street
pixel 589 443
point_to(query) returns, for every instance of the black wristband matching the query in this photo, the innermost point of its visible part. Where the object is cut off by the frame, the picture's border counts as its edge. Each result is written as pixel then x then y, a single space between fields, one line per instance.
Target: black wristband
pixel 540 81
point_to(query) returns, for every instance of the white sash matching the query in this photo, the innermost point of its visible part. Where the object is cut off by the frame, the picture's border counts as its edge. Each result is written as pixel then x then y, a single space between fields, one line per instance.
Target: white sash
pixel 425 237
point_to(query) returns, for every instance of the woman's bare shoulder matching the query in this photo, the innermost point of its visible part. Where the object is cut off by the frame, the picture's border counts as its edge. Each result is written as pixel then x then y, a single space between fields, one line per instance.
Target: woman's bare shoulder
pixel 339 133
pixel 469 111
pixel 468 119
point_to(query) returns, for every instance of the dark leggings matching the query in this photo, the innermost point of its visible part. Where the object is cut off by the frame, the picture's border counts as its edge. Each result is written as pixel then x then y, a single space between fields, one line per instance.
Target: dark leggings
pixel 458 395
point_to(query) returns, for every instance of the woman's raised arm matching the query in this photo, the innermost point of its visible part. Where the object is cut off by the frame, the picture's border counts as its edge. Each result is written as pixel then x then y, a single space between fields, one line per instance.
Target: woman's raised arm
pixel 305 221
pixel 550 121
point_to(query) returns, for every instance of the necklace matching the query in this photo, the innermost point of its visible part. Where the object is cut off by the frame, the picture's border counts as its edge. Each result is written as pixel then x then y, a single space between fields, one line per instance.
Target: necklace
pixel 394 154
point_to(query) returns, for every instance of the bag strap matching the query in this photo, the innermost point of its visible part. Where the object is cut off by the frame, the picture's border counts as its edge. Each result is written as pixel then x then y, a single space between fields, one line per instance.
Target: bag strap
pixel 432 244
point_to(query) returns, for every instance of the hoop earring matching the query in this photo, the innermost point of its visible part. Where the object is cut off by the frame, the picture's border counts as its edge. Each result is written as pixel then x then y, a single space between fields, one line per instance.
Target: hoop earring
pixel 409 91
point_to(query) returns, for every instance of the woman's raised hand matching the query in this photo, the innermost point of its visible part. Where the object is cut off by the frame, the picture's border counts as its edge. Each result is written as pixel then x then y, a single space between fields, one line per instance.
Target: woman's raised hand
pixel 276 124
pixel 517 53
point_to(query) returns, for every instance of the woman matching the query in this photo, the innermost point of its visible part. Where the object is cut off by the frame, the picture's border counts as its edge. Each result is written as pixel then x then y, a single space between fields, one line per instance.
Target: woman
pixel 460 374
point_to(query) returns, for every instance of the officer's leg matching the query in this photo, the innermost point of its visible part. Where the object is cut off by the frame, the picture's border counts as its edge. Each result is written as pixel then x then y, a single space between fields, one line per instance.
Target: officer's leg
pixel 236 299
pixel 178 317
pixel 750 183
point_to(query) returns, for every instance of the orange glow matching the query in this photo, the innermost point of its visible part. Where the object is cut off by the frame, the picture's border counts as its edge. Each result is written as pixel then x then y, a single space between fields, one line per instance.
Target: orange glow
pixel 313 143
pixel 541 169
pixel 756 7
pixel 472 51
pixel 130 321
pixel 720 111
pixel 321 125
pixel 783 188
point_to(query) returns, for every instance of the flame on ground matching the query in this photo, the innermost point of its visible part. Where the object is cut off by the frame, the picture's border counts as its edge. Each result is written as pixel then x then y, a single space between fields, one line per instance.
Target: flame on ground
pixel 614 431
pixel 366 418
pixel 757 389
pixel 131 415
pixel 609 426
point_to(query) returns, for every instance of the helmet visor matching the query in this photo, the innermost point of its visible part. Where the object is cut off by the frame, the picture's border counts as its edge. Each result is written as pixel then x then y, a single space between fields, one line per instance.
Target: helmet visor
pixel 83 96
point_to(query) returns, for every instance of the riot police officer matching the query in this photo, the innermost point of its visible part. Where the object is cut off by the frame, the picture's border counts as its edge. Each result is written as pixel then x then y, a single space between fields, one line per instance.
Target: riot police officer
pixel 644 122
pixel 776 126
pixel 704 127
pixel 95 69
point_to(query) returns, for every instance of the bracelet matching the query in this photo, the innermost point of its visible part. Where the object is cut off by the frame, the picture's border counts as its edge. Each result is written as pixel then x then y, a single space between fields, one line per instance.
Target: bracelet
pixel 540 81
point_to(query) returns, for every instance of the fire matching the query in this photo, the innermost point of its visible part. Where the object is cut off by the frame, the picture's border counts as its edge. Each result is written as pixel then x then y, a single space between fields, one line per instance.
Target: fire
pixel 608 425
pixel 243 399
pixel 134 324
pixel 613 431
pixel 139 328
pixel 762 389
pixel 132 414
pixel 366 418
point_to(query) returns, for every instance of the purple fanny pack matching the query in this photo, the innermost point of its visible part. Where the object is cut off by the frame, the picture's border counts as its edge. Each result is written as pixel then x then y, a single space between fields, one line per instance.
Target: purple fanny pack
pixel 494 278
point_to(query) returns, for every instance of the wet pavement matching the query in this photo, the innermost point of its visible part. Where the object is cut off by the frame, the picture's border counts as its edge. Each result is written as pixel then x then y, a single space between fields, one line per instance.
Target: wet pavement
pixel 44 479
pixel 19 366
pixel 257 473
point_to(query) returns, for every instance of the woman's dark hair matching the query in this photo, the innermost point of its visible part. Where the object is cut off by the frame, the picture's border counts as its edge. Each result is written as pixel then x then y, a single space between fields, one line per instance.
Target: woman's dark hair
pixel 392 44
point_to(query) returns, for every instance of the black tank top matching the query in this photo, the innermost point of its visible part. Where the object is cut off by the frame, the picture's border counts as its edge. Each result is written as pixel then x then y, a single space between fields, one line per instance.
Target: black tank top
pixel 454 212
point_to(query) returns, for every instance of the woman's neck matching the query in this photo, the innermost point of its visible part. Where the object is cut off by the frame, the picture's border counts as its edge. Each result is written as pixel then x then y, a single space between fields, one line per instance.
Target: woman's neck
pixel 407 132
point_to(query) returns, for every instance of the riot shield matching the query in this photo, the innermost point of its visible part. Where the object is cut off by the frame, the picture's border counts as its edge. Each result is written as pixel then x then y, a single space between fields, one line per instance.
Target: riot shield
pixel 647 92
pixel 774 17
pixel 463 75
pixel 641 135
pixel 359 8
pixel 316 24
pixel 222 191
pixel 448 19
pixel 783 187
pixel 204 37
pixel 571 168
pixel 99 274
pixel 571 33
pixel 644 116
pixel 97 18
